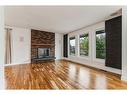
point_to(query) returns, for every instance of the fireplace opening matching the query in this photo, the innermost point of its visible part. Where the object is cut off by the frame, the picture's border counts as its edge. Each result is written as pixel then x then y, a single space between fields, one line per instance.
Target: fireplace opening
pixel 43 52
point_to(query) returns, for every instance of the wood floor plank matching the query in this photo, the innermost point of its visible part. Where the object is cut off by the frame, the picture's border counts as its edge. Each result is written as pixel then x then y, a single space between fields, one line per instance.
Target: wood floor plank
pixel 60 75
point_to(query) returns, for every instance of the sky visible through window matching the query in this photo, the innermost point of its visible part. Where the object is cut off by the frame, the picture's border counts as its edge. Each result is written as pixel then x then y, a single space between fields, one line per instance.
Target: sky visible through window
pixel 72 42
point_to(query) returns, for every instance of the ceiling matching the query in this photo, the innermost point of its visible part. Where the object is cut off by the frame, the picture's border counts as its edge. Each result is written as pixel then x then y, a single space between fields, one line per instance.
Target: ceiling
pixel 61 19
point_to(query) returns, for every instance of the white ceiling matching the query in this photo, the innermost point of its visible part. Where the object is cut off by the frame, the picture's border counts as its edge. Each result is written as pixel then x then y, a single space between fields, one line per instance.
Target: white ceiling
pixel 60 19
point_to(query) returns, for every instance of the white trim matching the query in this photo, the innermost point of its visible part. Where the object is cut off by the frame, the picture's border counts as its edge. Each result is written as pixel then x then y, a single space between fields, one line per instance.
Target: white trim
pixel 94 46
pixel 99 60
pixel 2 48
pixel 69 46
pixel 124 78
pixel 124 44
pixel 16 64
pixel 85 57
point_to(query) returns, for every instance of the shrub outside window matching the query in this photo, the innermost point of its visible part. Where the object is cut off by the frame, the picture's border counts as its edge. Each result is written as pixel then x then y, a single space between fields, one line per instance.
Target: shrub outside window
pixel 100 44
pixel 84 45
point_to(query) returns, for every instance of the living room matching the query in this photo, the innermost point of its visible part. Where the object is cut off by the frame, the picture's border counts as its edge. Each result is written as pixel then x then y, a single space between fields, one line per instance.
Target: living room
pixel 64 47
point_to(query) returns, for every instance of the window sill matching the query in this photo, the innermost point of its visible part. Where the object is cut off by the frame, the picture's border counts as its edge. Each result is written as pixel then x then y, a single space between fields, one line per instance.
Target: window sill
pixel 84 57
pixel 72 55
pixel 99 60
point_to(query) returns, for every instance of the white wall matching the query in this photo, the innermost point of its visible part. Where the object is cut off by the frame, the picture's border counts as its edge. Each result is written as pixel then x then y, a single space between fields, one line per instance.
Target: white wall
pixel 91 59
pixel 21 45
pixel 58 45
pixel 124 43
pixel 2 47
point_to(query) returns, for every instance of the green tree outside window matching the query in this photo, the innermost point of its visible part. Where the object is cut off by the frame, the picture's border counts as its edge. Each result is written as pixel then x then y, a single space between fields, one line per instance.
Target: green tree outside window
pixel 100 44
pixel 84 45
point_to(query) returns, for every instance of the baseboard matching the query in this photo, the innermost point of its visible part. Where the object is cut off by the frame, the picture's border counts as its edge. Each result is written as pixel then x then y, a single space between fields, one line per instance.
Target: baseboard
pixel 16 64
pixel 124 78
pixel 108 69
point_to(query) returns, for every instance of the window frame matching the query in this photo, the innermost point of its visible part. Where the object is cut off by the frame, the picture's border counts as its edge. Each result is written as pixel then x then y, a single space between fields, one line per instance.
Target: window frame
pixel 84 56
pixel 69 45
pixel 98 59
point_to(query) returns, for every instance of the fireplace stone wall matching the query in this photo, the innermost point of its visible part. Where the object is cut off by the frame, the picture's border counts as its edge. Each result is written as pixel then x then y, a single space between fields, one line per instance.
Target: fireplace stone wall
pixel 42 39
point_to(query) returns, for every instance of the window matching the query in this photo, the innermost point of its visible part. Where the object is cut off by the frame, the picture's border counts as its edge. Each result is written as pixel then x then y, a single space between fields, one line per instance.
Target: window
pixel 84 45
pixel 72 45
pixel 100 44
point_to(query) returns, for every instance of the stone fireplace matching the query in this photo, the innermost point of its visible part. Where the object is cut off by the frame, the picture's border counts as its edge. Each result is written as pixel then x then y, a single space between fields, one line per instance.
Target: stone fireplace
pixel 42 45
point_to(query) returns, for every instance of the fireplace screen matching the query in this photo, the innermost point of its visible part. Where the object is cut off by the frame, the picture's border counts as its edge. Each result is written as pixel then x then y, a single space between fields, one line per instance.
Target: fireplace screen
pixel 43 52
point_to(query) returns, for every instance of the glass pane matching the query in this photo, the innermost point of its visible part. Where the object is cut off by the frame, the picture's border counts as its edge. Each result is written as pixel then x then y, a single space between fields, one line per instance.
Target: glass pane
pixel 100 44
pixel 84 45
pixel 72 46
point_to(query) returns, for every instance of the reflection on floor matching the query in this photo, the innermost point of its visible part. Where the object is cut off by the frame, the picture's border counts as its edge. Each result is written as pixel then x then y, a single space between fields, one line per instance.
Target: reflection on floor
pixel 59 75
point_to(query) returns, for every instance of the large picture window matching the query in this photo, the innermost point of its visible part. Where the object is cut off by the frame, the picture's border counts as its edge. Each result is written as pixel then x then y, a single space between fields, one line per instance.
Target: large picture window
pixel 72 45
pixel 84 45
pixel 100 44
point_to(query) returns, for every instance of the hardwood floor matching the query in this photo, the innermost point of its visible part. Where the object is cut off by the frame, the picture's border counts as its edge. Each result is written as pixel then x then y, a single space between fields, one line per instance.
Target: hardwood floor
pixel 59 75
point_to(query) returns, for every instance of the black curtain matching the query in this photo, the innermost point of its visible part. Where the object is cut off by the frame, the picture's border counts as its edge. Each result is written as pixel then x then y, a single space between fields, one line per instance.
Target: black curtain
pixel 65 45
pixel 113 29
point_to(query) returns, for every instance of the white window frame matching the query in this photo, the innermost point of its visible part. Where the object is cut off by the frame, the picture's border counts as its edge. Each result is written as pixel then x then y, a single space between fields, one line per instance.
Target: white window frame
pixel 94 39
pixel 69 45
pixel 79 45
